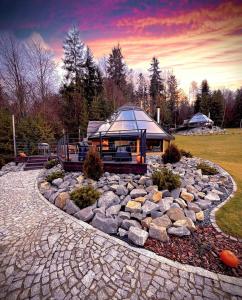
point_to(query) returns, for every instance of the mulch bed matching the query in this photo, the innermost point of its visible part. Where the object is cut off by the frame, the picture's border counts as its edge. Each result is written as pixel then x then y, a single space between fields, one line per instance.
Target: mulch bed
pixel 201 250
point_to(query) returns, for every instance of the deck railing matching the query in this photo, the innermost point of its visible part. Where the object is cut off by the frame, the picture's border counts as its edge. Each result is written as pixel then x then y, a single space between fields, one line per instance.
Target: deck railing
pixel 121 146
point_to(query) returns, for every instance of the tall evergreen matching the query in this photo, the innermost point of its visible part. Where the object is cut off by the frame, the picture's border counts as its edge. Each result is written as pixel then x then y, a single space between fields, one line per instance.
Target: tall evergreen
pixel 238 108
pixel 142 94
pixel 217 107
pixel 173 95
pixel 156 84
pixel 74 56
pixel 205 98
pixel 116 68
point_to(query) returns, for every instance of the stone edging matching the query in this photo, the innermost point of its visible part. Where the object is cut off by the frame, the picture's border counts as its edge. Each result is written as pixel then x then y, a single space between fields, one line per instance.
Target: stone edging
pixel 213 212
pixel 183 267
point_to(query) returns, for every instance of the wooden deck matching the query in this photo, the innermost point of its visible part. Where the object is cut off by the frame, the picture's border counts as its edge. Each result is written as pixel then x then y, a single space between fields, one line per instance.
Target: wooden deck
pixel 109 166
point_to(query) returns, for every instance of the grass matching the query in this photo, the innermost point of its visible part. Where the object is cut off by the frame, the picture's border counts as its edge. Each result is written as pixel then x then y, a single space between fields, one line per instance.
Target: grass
pixel 225 150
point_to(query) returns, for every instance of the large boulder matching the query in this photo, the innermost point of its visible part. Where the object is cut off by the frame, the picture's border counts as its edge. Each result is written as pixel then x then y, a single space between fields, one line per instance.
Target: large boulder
pixel 108 225
pixel 200 216
pixel 85 214
pixel 137 235
pixel 163 221
pixel 157 196
pixel 121 190
pixel 181 202
pixel 187 196
pixel 179 231
pixel 44 186
pixel 140 199
pixel 194 207
pixel 204 204
pixel 146 222
pixel 149 206
pixel 133 207
pixel 176 193
pixel 108 199
pixel 113 210
pixel 212 197
pixel 190 214
pixel 71 208
pixel 165 203
pixel 175 214
pixel 126 224
pixel 62 199
pixel 57 181
pixel 187 222
pixel 124 215
pixel 135 193
pixel 158 233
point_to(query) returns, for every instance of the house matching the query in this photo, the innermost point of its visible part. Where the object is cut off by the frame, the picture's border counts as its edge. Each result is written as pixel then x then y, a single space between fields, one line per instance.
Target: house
pixel 125 126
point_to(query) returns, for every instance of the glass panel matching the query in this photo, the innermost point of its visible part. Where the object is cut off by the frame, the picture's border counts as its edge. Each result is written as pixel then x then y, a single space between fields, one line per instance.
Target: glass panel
pixel 140 115
pixel 125 115
pixel 150 127
pixel 124 125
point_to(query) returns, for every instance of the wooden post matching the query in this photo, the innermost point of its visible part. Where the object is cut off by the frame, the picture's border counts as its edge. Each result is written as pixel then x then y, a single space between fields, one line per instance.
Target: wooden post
pixel 14 137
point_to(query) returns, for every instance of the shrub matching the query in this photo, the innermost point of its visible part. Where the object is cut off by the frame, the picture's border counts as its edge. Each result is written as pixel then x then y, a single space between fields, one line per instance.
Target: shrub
pixel 206 169
pixel 171 155
pixel 85 196
pixel 51 163
pixel 55 175
pixel 93 166
pixel 166 180
pixel 186 153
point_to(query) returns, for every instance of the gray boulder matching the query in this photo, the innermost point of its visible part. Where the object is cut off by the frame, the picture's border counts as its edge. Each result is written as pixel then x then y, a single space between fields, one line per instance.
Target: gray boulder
pixel 126 224
pixel 108 225
pixel 122 232
pixel 108 199
pixel 57 182
pixel 121 190
pixel 204 204
pixel 179 231
pixel 124 215
pixel 212 197
pixel 113 210
pixel 190 214
pixel 193 206
pixel 85 214
pixel 135 193
pixel 163 221
pixel 137 235
pixel 158 232
pixel 71 208
pixel 176 193
pixel 149 206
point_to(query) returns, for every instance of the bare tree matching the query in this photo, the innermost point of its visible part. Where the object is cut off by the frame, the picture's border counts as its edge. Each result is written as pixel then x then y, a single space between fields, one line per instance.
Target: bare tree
pixel 13 72
pixel 42 70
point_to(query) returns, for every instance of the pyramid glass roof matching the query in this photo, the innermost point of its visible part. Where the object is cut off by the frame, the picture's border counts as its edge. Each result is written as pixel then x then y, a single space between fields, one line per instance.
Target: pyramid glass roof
pixel 130 120
pixel 200 118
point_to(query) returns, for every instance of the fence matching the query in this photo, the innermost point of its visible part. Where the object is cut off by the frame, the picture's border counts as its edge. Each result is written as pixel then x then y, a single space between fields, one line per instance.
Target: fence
pixel 118 146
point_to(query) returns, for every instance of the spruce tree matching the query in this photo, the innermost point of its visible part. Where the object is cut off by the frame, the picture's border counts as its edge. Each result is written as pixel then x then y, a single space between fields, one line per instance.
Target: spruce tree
pixel 141 94
pixel 217 107
pixel 156 84
pixel 116 68
pixel 238 108
pixel 205 98
pixel 173 95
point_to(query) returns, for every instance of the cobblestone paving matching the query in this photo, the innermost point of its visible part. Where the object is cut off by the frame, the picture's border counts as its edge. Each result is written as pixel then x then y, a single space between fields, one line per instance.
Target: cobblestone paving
pixel 45 254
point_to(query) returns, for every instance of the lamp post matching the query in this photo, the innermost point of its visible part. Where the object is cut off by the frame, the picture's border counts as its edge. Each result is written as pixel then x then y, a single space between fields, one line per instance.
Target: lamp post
pixel 158 114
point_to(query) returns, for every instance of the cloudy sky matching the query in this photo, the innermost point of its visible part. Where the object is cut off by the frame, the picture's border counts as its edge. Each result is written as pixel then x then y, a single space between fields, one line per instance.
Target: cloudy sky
pixel 196 39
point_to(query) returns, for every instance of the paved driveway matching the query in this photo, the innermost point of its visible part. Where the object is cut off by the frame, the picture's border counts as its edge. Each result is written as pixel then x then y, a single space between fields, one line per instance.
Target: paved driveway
pixel 46 254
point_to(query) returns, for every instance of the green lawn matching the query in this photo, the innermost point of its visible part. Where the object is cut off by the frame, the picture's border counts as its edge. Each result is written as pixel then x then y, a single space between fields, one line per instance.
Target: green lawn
pixel 225 150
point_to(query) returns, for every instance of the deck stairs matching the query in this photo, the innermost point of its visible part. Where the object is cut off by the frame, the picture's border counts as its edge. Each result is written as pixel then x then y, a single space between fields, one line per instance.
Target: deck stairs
pixel 35 162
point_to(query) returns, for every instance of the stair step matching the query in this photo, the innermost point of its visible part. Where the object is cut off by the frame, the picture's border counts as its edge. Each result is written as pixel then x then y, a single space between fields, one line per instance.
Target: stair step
pixel 26 168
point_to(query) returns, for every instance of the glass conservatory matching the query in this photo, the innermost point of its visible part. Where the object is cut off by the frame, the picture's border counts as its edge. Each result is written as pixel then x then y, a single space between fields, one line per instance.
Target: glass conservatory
pixel 126 127
pixel 200 119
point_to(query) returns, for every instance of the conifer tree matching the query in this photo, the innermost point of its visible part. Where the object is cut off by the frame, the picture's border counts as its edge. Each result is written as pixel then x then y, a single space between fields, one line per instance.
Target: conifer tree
pixel 238 108
pixel 142 95
pixel 116 68
pixel 173 95
pixel 217 107
pixel 156 84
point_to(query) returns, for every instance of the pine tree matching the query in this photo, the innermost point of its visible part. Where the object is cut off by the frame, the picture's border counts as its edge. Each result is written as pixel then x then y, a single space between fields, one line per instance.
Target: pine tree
pixel 74 56
pixel 197 104
pixel 205 98
pixel 238 108
pixel 116 68
pixel 172 101
pixel 217 107
pixel 156 84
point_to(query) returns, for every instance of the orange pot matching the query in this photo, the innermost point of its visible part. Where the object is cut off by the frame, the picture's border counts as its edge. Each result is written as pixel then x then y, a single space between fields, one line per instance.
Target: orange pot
pixel 229 258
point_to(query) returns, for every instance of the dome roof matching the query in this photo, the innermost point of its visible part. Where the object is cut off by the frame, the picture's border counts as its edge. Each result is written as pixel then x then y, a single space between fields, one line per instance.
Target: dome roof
pixel 200 118
pixel 129 120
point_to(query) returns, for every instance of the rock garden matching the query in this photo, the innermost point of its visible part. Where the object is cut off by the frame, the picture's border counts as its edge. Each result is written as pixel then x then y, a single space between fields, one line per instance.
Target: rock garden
pixel 166 210
pixel 202 131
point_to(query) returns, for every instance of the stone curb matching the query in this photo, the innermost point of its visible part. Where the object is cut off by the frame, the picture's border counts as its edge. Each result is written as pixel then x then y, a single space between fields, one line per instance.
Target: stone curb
pixel 182 267
pixel 213 212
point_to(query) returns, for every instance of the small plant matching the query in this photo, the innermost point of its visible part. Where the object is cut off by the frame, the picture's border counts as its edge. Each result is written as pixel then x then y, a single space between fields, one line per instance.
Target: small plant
pixel 93 166
pixel 206 169
pixel 186 153
pixel 171 155
pixel 55 175
pixel 51 163
pixel 85 196
pixel 166 180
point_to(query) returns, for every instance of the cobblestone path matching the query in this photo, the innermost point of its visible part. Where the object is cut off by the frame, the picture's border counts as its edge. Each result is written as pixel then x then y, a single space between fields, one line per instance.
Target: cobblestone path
pixel 45 254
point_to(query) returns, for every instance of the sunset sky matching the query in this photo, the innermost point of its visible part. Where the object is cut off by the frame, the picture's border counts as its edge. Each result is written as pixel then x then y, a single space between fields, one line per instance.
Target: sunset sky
pixel 196 39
